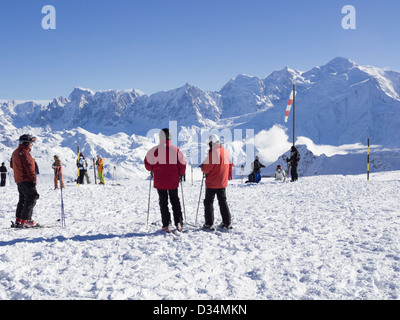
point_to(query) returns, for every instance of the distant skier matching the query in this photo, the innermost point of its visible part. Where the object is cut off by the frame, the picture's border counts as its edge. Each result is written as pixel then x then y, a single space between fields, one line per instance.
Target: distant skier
pixel 293 161
pixel 3 171
pixel 218 170
pixel 25 177
pixel 280 174
pixel 167 164
pixel 81 163
pixel 100 169
pixel 256 166
pixel 57 166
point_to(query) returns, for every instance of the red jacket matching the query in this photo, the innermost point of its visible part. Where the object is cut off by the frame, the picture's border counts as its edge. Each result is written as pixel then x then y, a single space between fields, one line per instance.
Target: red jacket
pixel 23 165
pixel 217 167
pixel 167 163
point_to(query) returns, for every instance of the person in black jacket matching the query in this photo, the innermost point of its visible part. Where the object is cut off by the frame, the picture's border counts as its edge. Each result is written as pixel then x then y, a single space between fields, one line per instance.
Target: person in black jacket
pixel 293 161
pixel 3 171
pixel 257 169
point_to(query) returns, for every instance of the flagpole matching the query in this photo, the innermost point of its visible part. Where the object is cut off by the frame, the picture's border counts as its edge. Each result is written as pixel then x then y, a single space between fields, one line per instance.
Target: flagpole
pixel 294 110
pixel 368 162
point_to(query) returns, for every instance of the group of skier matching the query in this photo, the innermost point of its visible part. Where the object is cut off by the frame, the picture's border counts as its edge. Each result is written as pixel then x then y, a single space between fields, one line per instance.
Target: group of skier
pixel 82 165
pixel 167 166
pixel 25 175
pixel 280 174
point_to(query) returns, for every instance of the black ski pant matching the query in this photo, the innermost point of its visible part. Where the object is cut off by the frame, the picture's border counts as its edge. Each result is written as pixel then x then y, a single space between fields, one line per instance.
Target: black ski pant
pixel 81 176
pixel 293 172
pixel 3 180
pixel 176 206
pixel 209 206
pixel 27 200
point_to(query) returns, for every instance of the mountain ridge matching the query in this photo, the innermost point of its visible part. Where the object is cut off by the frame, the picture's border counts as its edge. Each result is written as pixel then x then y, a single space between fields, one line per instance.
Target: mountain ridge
pixel 339 103
pixel 340 88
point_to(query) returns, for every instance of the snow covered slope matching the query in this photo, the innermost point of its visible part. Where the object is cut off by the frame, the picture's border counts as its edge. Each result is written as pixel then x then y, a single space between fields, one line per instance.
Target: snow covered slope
pixel 304 240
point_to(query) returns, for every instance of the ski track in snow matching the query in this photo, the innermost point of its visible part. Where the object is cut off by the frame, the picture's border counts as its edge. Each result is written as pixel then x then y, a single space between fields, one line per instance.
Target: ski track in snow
pixel 325 237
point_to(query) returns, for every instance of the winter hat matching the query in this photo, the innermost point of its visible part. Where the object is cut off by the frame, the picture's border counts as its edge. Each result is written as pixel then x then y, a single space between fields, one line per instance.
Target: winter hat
pixel 26 138
pixel 213 139
pixel 165 134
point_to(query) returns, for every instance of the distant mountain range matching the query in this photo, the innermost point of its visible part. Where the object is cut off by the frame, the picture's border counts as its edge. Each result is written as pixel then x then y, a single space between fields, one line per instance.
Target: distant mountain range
pixel 338 103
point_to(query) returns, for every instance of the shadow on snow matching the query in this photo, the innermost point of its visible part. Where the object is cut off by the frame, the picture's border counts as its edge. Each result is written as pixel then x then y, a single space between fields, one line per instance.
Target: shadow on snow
pixel 78 238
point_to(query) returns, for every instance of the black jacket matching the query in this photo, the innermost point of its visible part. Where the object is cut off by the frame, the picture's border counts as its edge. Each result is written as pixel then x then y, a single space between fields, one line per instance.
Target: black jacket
pixel 294 158
pixel 257 166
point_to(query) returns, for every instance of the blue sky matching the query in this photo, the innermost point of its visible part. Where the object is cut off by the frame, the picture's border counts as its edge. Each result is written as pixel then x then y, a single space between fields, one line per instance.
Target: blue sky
pixel 159 45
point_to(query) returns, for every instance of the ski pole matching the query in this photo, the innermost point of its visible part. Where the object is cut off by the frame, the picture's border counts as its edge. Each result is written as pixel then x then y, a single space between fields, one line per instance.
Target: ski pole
pixel 94 171
pixel 148 204
pixel 183 202
pixel 198 204
pixel 62 199
pixel 77 163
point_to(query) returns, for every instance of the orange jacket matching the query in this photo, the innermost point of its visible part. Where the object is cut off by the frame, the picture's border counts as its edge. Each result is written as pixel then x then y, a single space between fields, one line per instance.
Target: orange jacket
pixel 57 166
pixel 23 165
pixel 100 165
pixel 217 167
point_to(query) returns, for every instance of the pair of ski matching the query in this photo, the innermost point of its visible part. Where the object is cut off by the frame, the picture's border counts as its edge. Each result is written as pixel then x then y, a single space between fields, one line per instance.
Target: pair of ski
pixel 217 230
pixel 177 235
pixel 38 226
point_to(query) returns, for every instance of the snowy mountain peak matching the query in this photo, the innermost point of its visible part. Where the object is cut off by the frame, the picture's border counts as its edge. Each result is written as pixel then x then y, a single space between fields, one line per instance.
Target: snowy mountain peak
pixel 340 65
pixel 79 92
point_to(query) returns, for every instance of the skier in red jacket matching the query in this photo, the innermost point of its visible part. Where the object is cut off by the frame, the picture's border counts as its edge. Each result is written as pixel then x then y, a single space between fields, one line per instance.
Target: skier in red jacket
pixel 167 164
pixel 25 177
pixel 218 170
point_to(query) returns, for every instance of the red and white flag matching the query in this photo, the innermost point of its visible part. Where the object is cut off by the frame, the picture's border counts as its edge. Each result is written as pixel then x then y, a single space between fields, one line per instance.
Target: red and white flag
pixel 289 106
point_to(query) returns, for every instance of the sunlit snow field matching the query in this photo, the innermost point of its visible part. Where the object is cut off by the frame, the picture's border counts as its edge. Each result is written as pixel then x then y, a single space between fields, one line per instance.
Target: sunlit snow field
pixel 323 237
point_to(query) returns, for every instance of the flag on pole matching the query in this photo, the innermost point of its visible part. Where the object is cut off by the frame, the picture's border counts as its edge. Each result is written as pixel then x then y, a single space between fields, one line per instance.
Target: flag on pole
pixel 289 106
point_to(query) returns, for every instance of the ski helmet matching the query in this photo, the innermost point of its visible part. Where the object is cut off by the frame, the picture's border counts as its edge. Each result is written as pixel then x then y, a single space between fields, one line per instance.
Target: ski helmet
pixel 165 134
pixel 213 139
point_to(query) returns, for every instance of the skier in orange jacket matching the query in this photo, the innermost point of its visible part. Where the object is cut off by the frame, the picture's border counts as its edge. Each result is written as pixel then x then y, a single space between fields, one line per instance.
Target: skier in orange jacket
pixel 218 170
